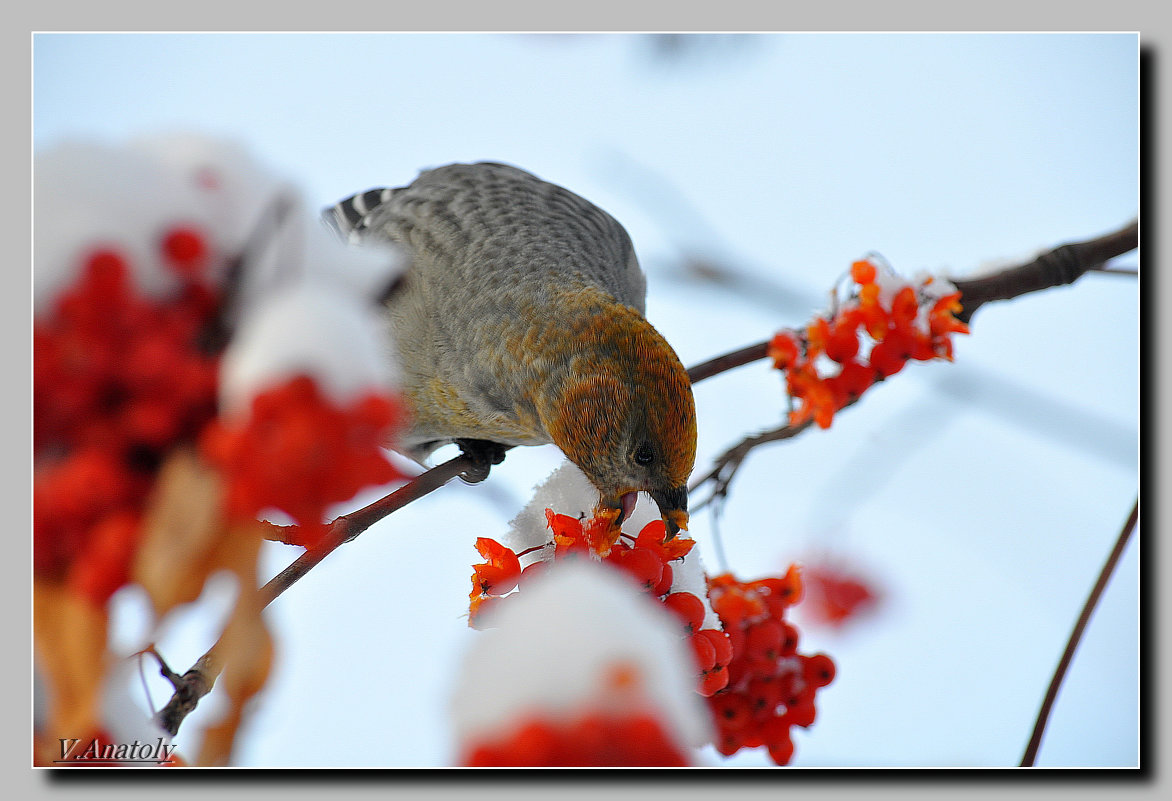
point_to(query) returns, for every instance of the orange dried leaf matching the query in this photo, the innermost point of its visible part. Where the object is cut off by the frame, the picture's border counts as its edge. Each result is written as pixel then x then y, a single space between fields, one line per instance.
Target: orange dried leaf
pixel 69 634
pixel 182 528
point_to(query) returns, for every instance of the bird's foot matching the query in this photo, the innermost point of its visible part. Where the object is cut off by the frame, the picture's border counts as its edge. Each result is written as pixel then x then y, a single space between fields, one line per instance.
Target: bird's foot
pixel 482 454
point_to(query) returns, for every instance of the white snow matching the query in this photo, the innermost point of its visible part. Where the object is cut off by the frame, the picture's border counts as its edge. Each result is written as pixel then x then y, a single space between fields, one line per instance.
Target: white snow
pixel 688 575
pixel 566 491
pixel 234 186
pixel 313 328
pixel 92 194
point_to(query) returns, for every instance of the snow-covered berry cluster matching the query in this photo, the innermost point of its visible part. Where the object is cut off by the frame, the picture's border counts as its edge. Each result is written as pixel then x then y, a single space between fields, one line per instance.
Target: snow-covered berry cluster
pixel 146 294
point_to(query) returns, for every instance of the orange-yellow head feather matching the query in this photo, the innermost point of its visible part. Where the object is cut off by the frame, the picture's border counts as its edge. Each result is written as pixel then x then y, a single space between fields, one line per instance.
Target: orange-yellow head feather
pixel 623 411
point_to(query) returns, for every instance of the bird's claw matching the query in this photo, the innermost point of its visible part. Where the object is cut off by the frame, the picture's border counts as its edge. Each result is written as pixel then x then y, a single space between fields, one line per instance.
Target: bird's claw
pixel 482 454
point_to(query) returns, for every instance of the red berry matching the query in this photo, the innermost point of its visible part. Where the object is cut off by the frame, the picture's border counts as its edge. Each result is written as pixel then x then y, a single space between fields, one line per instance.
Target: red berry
pixel 533 571
pixel 763 694
pixel 731 710
pixel 532 745
pixel 818 669
pixel 688 608
pixel 665 581
pixel 729 743
pixel 789 640
pixel 105 275
pixel 736 638
pixel 764 639
pixel 843 343
pixel 781 749
pixel 863 272
pixel 885 358
pixel 185 250
pixel 704 652
pixel 803 713
pixel 105 564
pixel 721 644
pixel 904 307
pixel 783 349
pixel 641 564
pixel 714 680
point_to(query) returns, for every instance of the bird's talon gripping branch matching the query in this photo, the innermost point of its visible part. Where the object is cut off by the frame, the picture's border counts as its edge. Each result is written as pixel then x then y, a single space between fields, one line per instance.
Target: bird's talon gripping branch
pixel 483 454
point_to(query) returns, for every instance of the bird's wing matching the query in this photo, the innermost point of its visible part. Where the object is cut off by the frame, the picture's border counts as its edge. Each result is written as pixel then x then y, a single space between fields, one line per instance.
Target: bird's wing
pixel 495 218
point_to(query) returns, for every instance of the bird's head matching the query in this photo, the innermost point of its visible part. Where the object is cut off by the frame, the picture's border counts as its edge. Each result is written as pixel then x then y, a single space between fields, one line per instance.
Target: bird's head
pixel 625 416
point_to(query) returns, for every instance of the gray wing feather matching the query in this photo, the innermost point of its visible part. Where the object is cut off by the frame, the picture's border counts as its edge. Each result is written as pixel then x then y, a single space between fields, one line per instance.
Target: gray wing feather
pixel 495 218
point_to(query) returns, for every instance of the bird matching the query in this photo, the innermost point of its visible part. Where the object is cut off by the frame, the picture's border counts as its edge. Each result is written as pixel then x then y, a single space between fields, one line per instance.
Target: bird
pixel 521 321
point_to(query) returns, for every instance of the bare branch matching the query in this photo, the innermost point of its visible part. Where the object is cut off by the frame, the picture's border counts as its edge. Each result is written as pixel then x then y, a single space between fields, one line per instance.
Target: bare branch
pixel 722 364
pixel 1063 265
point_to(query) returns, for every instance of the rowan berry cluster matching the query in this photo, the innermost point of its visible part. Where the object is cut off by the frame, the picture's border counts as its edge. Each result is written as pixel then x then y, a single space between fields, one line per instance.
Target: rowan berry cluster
pixel 771 686
pixel 902 321
pixel 646 559
pixel 118 380
pixel 300 452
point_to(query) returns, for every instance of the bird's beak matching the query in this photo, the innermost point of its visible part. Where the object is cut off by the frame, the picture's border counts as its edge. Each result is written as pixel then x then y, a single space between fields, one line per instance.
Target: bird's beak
pixel 673 505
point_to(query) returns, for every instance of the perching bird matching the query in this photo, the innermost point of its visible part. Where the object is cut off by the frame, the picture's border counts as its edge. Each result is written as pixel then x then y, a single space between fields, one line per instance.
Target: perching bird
pixel 521 323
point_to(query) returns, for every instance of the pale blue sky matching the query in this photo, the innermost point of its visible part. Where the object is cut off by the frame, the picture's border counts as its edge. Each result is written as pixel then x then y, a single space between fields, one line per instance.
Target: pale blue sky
pixel 984 494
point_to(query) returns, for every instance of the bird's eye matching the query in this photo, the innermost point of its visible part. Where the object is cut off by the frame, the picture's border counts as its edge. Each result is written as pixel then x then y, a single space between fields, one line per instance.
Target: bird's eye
pixel 644 455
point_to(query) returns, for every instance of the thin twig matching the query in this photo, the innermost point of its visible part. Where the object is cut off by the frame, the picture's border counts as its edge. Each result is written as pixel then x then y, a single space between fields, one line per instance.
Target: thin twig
pixel 349 526
pixel 189 689
pixel 1031 752
pixel 727 464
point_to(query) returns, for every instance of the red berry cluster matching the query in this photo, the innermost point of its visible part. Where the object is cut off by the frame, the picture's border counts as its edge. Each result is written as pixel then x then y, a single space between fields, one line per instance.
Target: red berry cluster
pixel 118 380
pixel 646 559
pixel 300 452
pixel 771 686
pixel 594 740
pixel 912 324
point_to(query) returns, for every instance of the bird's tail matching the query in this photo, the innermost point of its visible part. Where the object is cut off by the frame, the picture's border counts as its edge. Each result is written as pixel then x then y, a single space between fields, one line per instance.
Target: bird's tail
pixel 350 218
